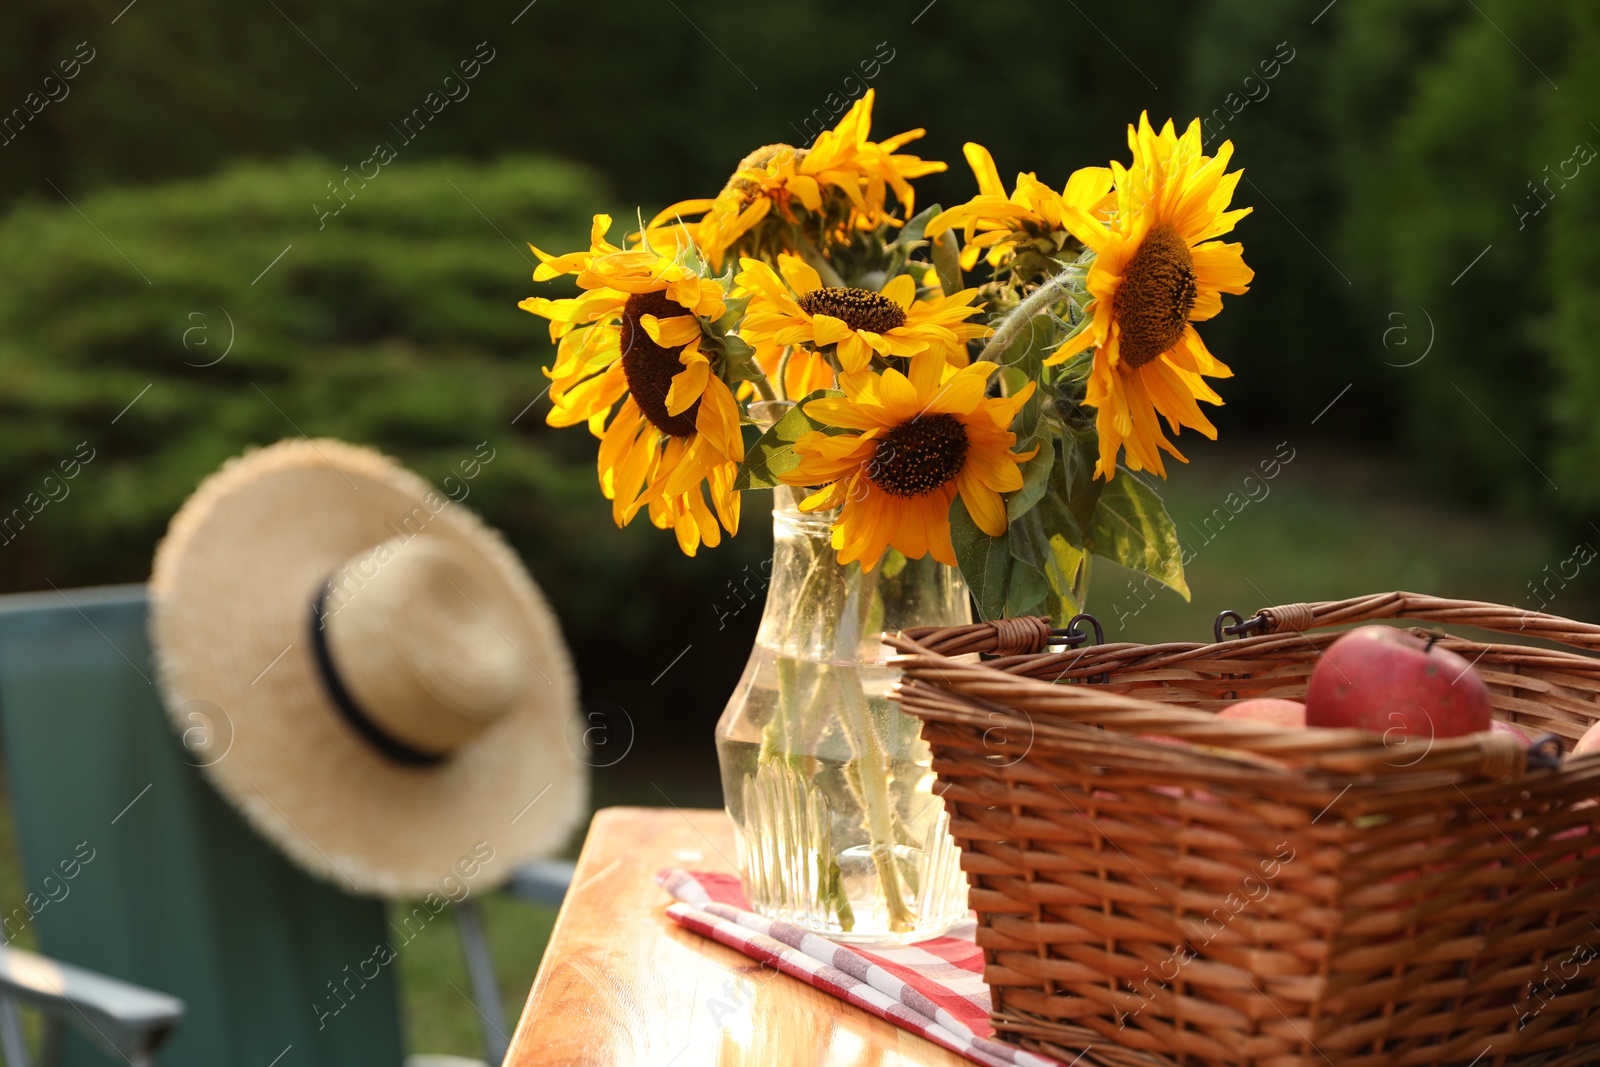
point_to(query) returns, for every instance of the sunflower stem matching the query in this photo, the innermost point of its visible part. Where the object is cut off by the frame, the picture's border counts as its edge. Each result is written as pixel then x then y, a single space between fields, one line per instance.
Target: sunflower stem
pixel 765 389
pixel 1048 293
pixel 783 371
pixel 809 691
pixel 872 781
pixel 820 264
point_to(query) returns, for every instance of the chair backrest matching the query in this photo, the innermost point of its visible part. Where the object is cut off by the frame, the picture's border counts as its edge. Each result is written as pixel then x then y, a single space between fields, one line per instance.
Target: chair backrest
pixel 140 871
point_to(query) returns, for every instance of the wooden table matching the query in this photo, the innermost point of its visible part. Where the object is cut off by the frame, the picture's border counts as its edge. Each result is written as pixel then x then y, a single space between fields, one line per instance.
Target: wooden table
pixel 621 984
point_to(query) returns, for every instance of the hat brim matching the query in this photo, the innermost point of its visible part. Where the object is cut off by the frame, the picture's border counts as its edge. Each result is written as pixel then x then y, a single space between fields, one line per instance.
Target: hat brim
pixel 231 593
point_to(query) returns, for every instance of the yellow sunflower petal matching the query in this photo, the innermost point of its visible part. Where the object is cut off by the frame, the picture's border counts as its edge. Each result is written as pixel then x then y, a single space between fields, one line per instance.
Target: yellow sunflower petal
pixel 902 289
pixel 688 384
pixel 718 420
pixel 672 332
pixel 829 330
pixel 985 506
pixel 801 276
pixel 899 397
pixel 724 498
pixel 983 168
pixel 854 351
pixel 687 530
pixel 927 371
pixel 842 412
pixel 825 499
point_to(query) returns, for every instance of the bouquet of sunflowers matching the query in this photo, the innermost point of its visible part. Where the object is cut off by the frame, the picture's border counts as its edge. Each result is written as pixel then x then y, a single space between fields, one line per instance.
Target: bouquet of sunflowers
pixel 995 426
pixel 910 424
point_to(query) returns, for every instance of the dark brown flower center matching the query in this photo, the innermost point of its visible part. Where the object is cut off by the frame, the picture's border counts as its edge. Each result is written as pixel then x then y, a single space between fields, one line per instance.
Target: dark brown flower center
pixel 650 368
pixel 919 456
pixel 1157 294
pixel 859 309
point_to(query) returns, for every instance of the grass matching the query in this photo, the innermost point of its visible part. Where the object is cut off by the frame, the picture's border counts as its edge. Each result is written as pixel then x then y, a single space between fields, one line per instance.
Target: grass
pixel 1328 525
pixel 438 1015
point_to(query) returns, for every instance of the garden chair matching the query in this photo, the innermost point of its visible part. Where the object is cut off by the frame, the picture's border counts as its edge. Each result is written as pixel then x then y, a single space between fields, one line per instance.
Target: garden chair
pixel 167 923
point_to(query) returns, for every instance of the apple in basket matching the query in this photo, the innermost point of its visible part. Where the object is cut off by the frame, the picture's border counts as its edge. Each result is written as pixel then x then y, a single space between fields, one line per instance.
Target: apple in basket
pixel 1514 730
pixel 1589 742
pixel 1269 710
pixel 1386 680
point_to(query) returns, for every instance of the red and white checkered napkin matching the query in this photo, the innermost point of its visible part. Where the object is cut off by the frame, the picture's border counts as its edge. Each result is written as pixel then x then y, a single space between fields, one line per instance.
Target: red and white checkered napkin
pixel 933 988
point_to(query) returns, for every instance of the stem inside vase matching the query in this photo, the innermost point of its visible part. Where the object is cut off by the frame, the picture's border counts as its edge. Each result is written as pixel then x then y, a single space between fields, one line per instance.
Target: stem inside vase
pixel 828 782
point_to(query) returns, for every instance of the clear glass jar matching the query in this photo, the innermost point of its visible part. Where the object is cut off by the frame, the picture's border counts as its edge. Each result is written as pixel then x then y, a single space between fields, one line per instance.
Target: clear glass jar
pixel 828 782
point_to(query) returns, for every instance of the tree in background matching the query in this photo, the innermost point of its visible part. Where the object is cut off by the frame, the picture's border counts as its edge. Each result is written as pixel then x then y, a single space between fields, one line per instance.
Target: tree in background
pixel 1460 132
pixel 1386 144
pixel 1426 181
pixel 223 318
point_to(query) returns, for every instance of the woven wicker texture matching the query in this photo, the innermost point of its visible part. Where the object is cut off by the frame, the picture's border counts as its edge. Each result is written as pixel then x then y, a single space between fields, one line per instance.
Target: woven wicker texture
pixel 1263 897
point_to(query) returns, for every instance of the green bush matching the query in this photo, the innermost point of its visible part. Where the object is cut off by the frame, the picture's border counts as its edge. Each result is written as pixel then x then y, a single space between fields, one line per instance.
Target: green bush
pixel 1442 129
pixel 1392 152
pixel 395 324
pixel 1386 156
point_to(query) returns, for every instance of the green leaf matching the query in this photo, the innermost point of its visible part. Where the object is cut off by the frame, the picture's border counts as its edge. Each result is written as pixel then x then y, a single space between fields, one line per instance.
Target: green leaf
pixel 773 454
pixel 947 261
pixel 733 312
pixel 985 561
pixel 1075 479
pixel 1047 565
pixel 1062 572
pixel 739 358
pixel 1027 592
pixel 1028 346
pixel 689 256
pixel 1021 362
pixel 1035 480
pixel 1131 526
pixel 911 232
pixel 1057 518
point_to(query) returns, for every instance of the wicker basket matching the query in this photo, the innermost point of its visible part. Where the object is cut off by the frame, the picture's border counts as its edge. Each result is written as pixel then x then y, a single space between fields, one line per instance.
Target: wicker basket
pixel 1266 897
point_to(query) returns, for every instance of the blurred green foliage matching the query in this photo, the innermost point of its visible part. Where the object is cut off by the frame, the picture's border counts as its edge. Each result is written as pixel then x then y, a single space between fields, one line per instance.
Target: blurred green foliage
pixel 1389 145
pixel 1488 118
pixel 220 316
pixel 1399 166
pixel 1386 144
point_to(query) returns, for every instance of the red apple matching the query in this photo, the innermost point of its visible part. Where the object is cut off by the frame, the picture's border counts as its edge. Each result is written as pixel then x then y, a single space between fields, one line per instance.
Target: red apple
pixel 1391 682
pixel 1581 829
pixel 1514 730
pixel 1589 742
pixel 1269 710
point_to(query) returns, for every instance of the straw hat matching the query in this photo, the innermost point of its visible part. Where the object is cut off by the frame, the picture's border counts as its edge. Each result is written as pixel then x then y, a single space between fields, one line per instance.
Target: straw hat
pixel 367 671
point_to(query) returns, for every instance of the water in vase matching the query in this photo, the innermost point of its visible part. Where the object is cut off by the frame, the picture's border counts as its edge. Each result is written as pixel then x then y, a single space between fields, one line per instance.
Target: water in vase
pixel 828 782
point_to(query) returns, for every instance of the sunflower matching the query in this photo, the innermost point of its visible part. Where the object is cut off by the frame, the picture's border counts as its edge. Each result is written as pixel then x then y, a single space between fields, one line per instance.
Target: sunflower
pixel 634 336
pixel 1032 217
pixel 913 444
pixel 797 309
pixel 1156 270
pixel 842 180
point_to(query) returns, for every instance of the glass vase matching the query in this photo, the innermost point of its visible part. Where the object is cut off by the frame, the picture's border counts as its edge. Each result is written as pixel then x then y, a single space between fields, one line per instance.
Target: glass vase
pixel 828 782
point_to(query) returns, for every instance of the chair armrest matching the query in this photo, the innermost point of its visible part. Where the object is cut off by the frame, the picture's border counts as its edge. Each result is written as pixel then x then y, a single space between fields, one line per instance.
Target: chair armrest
pixel 542 882
pixel 124 1019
